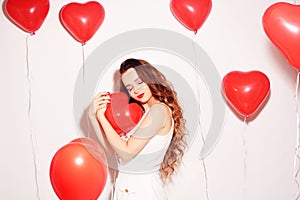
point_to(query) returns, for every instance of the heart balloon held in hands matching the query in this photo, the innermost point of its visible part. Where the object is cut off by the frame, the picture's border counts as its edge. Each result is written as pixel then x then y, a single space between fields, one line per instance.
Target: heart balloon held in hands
pixel 121 114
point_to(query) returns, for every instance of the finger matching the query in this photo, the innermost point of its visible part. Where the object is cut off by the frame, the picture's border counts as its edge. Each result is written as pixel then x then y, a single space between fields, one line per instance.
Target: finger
pixel 101 101
pixel 102 94
pixel 101 107
pixel 96 108
pixel 104 98
pixel 101 98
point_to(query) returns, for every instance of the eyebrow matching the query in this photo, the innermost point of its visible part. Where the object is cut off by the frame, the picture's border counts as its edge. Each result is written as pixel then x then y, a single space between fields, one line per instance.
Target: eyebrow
pixel 137 79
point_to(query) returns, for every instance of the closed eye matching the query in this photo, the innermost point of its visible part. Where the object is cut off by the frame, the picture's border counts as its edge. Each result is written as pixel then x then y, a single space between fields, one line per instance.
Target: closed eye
pixel 139 81
pixel 129 88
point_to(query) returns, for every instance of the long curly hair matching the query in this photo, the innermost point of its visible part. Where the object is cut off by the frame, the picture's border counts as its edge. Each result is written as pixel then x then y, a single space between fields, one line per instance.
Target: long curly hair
pixel 163 91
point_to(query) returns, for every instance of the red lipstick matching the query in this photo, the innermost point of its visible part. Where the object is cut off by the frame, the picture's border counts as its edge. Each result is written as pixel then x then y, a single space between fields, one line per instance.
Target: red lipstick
pixel 140 96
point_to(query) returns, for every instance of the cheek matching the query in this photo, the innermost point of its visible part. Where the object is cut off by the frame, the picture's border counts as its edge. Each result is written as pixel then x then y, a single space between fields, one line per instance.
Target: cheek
pixel 133 96
pixel 148 93
pixel 148 90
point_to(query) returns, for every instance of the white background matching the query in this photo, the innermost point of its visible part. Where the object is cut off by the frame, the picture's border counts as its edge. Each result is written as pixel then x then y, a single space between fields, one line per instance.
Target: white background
pixel 234 39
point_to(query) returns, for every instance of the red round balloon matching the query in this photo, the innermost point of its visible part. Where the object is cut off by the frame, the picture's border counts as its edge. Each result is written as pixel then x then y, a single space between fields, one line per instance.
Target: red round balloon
pixel 191 13
pixel 92 147
pixel 76 174
pixel 281 23
pixel 245 91
pixel 121 114
pixel 82 20
pixel 28 15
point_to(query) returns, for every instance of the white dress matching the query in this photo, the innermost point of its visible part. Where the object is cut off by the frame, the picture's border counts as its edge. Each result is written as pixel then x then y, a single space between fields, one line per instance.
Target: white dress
pixel 139 178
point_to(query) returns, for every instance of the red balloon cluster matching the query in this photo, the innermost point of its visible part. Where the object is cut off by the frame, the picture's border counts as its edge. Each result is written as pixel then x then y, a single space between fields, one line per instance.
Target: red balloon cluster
pixel 121 114
pixel 79 170
pixel 28 15
pixel 246 91
pixel 82 20
pixel 281 23
pixel 191 13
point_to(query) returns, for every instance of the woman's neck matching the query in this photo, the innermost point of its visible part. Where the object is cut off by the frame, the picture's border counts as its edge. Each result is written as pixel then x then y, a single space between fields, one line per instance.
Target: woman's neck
pixel 149 103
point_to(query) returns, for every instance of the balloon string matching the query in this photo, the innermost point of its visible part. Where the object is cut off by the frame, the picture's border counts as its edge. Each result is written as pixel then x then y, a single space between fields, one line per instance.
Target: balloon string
pixel 83 89
pixel 83 65
pixel 34 151
pixel 28 77
pixel 199 121
pixel 297 156
pixel 32 137
pixel 245 158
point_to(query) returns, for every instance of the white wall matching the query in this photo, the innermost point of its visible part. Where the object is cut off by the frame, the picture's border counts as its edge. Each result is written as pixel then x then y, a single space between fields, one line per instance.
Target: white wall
pixel 234 39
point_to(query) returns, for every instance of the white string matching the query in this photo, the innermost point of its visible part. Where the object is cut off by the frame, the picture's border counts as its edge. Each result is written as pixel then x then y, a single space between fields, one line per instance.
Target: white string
pixel 297 157
pixel 83 65
pixel 245 158
pixel 199 121
pixel 83 89
pixel 32 136
pixel 34 151
pixel 28 77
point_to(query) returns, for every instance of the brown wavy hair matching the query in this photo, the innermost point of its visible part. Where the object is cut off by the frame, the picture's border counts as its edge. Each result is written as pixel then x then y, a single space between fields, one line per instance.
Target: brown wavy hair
pixel 163 91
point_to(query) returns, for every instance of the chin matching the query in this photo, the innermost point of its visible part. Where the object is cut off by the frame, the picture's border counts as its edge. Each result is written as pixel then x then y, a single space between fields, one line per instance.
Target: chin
pixel 143 100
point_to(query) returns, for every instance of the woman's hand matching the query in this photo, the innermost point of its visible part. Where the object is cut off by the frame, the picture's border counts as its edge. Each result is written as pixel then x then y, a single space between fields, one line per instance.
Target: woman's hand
pixel 100 103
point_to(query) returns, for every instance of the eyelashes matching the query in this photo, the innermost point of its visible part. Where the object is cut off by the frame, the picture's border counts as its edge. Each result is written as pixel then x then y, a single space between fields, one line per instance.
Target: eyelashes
pixel 129 89
pixel 138 84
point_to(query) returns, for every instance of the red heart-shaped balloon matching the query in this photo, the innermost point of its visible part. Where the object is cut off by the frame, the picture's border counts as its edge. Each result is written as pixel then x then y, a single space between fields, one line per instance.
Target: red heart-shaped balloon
pixel 28 15
pixel 82 20
pixel 246 91
pixel 191 13
pixel 281 22
pixel 121 114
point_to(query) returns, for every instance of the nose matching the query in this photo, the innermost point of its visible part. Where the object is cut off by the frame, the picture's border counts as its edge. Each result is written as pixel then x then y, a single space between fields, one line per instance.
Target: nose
pixel 136 90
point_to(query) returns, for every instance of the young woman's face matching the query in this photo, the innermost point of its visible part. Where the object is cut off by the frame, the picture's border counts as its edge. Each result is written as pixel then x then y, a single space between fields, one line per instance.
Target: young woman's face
pixel 137 89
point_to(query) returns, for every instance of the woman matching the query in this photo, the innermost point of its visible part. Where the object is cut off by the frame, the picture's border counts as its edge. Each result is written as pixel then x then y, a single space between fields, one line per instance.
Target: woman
pixel 156 145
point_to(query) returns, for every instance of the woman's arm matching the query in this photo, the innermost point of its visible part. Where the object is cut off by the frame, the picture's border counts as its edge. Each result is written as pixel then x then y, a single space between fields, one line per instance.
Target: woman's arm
pixel 153 121
pixel 96 126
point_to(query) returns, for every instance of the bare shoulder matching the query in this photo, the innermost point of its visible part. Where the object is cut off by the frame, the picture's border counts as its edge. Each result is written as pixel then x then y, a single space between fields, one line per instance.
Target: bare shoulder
pixel 161 109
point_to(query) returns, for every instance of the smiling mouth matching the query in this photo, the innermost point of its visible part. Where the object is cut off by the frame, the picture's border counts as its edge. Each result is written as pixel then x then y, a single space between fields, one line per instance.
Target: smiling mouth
pixel 140 96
